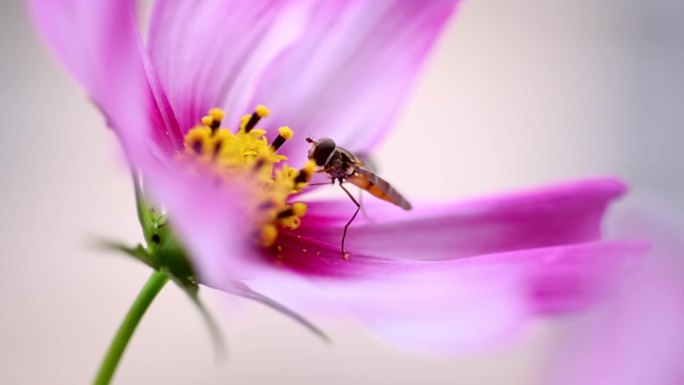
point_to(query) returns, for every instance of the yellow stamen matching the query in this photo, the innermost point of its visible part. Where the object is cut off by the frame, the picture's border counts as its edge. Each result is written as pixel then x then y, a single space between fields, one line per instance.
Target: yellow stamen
pixel 246 154
pixel 243 121
pixel 299 209
pixel 304 175
pixel 262 111
pixel 269 233
pixel 217 114
pixel 291 216
pixel 291 223
pixel 198 141
pixel 257 132
pixel 286 132
pixel 309 167
pixel 207 121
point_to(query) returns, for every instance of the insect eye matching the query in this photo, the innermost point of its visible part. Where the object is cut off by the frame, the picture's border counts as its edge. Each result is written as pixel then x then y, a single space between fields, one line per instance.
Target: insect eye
pixel 322 151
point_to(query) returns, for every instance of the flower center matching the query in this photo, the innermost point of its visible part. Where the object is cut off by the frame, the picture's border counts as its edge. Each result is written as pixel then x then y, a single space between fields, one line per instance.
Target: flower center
pixel 247 157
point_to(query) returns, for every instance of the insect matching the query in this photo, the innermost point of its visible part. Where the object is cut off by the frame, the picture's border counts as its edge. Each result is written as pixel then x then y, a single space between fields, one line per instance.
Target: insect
pixel 342 165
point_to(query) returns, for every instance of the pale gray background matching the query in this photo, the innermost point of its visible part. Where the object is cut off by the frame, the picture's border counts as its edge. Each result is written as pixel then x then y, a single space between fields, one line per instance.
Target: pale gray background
pixel 517 93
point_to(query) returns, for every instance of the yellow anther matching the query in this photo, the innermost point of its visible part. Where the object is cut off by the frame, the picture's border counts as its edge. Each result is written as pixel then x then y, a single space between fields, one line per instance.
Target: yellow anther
pixel 309 167
pixel 291 223
pixel 304 175
pixel 269 233
pixel 286 132
pixel 290 172
pixel 217 114
pixel 243 121
pixel 262 111
pixel 198 140
pixel 207 121
pixel 306 172
pixel 299 209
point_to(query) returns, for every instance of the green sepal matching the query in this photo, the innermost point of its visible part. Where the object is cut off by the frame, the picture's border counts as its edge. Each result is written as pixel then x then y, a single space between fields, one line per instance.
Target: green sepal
pixel 216 336
pixel 168 256
pixel 146 215
pixel 138 252
pixel 162 245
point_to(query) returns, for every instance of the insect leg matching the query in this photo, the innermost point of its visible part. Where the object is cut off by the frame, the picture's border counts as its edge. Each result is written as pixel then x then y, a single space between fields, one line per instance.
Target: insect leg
pixel 345 255
pixel 332 181
pixel 320 183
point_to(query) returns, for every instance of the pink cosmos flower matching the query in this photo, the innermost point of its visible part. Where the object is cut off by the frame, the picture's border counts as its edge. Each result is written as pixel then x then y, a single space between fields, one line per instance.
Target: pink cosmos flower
pixel 442 277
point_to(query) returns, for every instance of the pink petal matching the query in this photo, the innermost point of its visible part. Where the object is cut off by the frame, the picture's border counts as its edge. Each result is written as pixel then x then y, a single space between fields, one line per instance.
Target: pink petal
pixel 634 336
pixel 209 53
pixel 350 74
pixel 444 306
pixel 210 223
pixel 98 41
pixel 558 215
pixel 448 306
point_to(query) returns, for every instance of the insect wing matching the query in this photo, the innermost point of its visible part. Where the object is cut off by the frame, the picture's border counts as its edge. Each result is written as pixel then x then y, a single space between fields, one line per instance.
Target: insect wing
pixel 378 187
pixel 366 162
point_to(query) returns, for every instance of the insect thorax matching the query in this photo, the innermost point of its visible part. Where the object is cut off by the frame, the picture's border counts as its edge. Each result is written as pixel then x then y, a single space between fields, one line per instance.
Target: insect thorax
pixel 341 164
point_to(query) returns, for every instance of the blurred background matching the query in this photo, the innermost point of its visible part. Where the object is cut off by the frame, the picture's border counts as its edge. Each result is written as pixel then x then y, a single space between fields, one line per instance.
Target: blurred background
pixel 516 94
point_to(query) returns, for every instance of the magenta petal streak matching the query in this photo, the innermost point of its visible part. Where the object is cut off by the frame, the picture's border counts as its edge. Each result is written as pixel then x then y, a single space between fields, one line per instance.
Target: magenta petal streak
pixel 563 214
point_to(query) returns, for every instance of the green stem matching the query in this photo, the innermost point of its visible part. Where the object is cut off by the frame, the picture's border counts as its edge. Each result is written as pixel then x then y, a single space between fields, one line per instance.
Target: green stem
pixel 152 287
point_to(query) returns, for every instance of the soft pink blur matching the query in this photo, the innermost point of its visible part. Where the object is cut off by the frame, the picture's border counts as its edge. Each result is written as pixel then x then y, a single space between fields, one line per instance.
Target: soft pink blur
pixel 635 336
pixel 519 93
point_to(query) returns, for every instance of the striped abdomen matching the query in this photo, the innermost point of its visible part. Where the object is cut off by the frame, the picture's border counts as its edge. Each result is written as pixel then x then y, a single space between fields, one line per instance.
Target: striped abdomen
pixel 378 187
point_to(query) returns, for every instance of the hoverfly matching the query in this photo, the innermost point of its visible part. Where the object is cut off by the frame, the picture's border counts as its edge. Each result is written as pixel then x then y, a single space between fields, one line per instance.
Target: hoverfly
pixel 342 165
